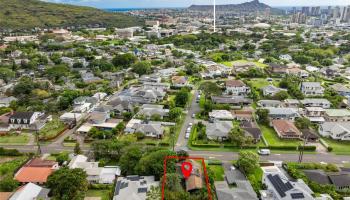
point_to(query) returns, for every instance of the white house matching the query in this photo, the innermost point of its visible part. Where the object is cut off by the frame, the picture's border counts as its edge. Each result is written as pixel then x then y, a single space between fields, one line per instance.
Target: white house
pixel 279 187
pixel 335 130
pixel 271 90
pixel 96 174
pixel 312 89
pixel 23 120
pixel 236 88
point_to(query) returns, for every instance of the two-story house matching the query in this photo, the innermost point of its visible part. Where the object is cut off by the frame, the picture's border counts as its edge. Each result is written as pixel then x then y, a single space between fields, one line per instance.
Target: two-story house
pixel 312 89
pixel 23 120
pixel 236 88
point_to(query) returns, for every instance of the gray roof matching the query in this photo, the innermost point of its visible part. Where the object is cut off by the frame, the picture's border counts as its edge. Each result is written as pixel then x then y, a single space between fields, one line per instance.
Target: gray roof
pixel 318 176
pixel 272 88
pixel 340 88
pixel 149 128
pixel 282 111
pixel 336 127
pixel 219 129
pixel 340 180
pixel 311 84
pixel 317 101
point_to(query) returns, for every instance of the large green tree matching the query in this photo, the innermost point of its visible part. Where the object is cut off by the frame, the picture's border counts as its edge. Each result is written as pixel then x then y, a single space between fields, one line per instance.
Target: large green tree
pixel 248 161
pixel 153 163
pixel 182 97
pixel 68 184
pixel 129 160
pixel 142 68
pixel 124 60
pixel 210 89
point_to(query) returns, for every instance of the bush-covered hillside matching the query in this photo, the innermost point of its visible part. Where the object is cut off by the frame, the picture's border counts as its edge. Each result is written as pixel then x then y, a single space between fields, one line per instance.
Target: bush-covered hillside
pixel 27 14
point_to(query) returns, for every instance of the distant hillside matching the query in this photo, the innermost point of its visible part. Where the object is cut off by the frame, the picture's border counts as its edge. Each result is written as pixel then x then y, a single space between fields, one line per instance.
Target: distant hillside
pixel 252 6
pixel 27 14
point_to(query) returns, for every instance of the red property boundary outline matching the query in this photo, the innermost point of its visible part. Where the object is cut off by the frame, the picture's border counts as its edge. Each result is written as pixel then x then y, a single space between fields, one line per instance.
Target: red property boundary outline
pixel 184 158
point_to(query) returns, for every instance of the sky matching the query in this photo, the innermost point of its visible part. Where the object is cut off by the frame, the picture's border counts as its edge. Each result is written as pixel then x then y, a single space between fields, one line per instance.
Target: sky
pixel 185 3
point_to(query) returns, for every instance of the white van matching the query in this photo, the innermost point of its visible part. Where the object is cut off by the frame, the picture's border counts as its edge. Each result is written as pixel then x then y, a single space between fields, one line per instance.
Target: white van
pixel 264 152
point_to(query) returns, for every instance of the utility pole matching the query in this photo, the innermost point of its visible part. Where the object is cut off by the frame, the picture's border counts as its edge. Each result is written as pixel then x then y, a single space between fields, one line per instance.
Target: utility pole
pixel 301 151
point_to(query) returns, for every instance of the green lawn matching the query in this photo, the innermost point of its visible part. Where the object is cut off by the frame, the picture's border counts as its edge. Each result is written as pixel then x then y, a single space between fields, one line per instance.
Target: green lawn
pixel 256 179
pixel 231 63
pixel 15 139
pixel 273 140
pixel 262 82
pixel 218 172
pixel 8 168
pixel 339 147
pixel 104 194
pixel 51 129
pixel 67 144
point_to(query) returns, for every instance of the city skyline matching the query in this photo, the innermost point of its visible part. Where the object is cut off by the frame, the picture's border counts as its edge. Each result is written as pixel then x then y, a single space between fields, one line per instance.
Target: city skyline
pixel 186 3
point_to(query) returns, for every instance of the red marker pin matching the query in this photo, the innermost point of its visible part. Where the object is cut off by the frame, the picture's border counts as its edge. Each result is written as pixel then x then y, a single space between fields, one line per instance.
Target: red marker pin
pixel 186 169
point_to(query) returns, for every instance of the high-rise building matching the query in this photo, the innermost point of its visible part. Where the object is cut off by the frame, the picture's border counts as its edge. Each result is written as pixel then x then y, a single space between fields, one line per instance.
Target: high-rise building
pixel 305 10
pixel 299 18
pixel 345 14
pixel 336 12
pixel 316 11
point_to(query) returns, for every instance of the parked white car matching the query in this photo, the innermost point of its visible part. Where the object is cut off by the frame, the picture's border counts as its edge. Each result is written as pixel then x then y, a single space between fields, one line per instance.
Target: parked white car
pixel 264 152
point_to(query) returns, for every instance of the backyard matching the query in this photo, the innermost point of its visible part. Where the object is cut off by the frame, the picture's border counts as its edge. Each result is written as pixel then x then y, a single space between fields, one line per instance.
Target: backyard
pixel 11 165
pixel 339 147
pixel 273 140
pixel 104 194
pixel 52 129
pixel 15 139
pixel 231 63
pixel 218 171
pixel 262 82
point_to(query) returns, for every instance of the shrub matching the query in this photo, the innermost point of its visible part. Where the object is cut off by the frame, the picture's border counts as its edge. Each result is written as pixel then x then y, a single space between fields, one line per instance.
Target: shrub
pixel 329 149
pixel 307 148
pixel 289 148
pixel 9 152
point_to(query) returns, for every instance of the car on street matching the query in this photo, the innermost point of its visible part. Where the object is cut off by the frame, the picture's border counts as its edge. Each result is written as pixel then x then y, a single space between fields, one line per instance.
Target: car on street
pixel 190 124
pixel 187 135
pixel 264 152
pixel 193 116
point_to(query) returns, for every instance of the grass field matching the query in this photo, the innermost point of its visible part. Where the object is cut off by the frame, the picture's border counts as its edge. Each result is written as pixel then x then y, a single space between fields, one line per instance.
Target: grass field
pixel 218 172
pixel 262 82
pixel 104 194
pixel 8 168
pixel 51 129
pixel 231 63
pixel 272 138
pixel 255 179
pixel 339 147
pixel 15 139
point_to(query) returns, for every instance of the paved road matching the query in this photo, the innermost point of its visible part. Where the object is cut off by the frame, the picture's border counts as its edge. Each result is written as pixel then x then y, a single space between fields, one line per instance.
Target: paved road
pixel 223 156
pixel 229 156
pixel 194 108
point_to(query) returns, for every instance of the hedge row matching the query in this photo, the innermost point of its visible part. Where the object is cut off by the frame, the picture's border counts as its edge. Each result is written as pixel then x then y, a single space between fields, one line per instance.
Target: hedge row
pixel 9 152
pixel 307 148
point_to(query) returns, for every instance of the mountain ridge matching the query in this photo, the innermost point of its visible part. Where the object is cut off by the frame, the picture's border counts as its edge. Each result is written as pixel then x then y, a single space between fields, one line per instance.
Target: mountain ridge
pixel 29 14
pixel 254 5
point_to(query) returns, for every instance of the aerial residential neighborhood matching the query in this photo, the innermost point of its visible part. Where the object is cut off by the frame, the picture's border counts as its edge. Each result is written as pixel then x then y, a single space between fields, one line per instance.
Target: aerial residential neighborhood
pixel 180 100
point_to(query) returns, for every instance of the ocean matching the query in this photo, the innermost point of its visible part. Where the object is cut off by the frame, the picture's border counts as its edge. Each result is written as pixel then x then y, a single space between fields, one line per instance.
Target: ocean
pixel 133 9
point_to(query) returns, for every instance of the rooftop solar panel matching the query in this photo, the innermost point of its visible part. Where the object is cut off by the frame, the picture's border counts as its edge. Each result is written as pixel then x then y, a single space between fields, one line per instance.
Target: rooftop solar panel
pixel 142 190
pixel 297 195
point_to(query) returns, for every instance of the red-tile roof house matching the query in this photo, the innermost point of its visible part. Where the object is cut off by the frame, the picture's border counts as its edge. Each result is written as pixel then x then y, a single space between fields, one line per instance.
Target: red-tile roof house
pixel 195 180
pixel 286 129
pixel 36 171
